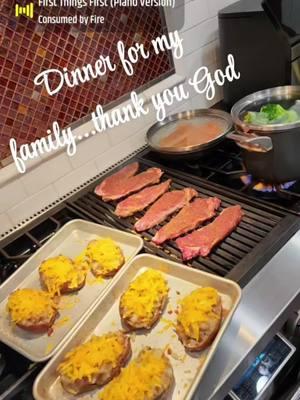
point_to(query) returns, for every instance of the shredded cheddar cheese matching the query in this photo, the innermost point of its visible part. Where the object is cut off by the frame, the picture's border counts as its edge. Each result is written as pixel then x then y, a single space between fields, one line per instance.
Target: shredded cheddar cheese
pixel 196 309
pixel 30 305
pixel 60 271
pixel 143 295
pixel 86 360
pixel 62 322
pixel 82 261
pixel 168 325
pixel 104 255
pixel 49 348
pixel 143 378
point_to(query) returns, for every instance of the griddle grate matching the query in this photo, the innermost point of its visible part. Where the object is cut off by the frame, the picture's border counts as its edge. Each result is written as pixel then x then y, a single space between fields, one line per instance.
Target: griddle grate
pixel 257 224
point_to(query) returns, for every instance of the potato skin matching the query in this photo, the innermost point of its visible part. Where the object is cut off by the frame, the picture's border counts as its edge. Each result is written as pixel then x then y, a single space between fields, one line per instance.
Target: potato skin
pixel 159 390
pixel 65 289
pixel 96 267
pixel 41 327
pixel 39 310
pixel 209 332
pixel 144 300
pixel 100 264
pixel 106 374
pixel 132 324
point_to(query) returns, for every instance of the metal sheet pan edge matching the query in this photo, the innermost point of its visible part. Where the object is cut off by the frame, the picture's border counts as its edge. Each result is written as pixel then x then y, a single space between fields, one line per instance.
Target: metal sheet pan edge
pixel 12 282
pixel 88 323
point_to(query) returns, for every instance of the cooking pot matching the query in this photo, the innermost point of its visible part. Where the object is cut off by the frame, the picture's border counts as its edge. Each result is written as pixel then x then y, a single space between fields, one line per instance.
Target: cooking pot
pixel 269 152
pixel 281 163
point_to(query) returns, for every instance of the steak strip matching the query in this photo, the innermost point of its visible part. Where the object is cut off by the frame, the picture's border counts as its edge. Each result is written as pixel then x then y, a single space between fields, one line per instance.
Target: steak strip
pixel 202 241
pixel 141 200
pixel 113 181
pixel 163 207
pixel 191 216
pixel 133 184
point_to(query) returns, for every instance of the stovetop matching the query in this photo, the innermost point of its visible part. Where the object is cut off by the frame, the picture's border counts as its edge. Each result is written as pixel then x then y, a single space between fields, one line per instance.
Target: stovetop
pixel 268 224
pixel 224 166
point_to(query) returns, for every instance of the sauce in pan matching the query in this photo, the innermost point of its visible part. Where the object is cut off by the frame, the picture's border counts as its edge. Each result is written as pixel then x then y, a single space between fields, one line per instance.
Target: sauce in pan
pixel 188 134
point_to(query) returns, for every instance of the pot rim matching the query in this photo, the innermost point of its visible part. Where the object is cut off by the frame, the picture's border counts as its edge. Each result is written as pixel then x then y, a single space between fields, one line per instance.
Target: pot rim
pixel 280 93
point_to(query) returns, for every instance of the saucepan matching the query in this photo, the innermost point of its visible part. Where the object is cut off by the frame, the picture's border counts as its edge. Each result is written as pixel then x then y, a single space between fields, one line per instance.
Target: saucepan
pixel 270 152
pixel 282 162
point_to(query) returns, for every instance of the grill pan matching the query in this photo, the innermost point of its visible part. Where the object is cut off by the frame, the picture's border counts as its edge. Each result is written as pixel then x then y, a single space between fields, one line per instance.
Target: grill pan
pixel 247 241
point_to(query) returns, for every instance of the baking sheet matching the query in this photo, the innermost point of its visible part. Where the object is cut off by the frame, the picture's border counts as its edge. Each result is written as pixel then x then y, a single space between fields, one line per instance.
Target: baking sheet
pixel 70 240
pixel 104 317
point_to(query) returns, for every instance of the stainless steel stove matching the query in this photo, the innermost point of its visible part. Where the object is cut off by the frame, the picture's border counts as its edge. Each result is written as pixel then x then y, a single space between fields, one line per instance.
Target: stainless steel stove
pixel 260 253
pixel 224 166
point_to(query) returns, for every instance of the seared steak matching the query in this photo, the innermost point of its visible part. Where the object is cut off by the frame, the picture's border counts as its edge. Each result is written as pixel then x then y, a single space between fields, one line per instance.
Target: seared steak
pixel 115 180
pixel 124 187
pixel 141 200
pixel 192 215
pixel 163 207
pixel 202 241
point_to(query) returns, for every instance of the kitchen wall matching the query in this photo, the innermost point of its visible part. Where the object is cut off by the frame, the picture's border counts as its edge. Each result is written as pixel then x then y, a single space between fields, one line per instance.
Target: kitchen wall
pixel 21 196
pixel 28 48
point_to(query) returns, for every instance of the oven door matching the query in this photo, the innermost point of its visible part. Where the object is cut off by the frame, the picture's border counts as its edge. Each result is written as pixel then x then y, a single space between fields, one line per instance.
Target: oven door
pixel 273 375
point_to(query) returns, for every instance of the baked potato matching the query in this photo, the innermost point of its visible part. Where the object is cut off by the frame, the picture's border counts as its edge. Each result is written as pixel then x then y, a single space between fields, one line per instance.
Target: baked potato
pixel 142 304
pixel 94 363
pixel 148 377
pixel 104 257
pixel 62 275
pixel 199 318
pixel 32 310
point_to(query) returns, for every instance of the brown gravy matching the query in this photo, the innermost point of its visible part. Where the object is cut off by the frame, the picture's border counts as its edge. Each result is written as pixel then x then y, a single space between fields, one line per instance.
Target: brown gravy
pixel 191 135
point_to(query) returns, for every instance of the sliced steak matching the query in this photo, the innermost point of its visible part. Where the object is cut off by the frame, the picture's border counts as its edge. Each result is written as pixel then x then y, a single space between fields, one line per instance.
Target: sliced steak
pixel 202 241
pixel 191 216
pixel 163 207
pixel 115 180
pixel 141 200
pixel 133 184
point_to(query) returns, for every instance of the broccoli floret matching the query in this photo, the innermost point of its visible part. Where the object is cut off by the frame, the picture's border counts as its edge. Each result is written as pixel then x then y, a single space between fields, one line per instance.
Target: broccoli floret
pixel 273 111
pixel 270 114
pixel 249 117
pixel 257 118
pixel 291 116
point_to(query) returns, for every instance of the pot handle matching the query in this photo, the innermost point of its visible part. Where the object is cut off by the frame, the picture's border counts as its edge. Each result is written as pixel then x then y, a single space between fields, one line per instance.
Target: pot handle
pixel 260 144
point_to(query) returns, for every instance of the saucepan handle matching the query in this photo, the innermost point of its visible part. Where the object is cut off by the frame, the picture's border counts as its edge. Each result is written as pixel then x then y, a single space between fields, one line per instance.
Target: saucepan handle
pixel 251 142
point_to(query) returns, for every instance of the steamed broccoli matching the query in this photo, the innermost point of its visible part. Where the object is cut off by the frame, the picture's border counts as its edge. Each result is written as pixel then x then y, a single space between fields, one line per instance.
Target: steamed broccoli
pixel 273 111
pixel 270 114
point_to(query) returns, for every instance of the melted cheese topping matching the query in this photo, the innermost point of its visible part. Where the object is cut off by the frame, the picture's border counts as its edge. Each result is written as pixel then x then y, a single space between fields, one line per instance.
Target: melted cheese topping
pixel 143 378
pixel 30 305
pixel 58 271
pixel 144 295
pixel 86 360
pixel 106 254
pixel 197 309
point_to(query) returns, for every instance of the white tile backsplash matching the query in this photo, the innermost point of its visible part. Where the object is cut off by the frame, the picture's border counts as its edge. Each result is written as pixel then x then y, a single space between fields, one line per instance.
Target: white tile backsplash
pixel 23 195
pixel 123 132
pixel 32 204
pixel 206 55
pixel 11 194
pixel 200 35
pixel 189 14
pixel 75 178
pixel 46 173
pixel 90 148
